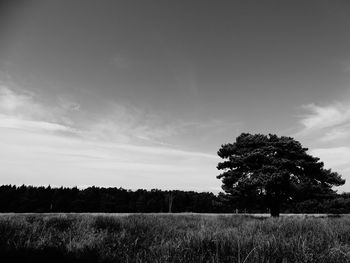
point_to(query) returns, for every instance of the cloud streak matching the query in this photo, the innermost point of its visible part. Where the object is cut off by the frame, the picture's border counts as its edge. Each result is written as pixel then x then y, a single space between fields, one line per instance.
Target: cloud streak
pixel 43 145
pixel 29 125
pixel 330 122
pixel 324 117
pixel 328 127
pixel 20 111
pixel 337 159
pixel 43 158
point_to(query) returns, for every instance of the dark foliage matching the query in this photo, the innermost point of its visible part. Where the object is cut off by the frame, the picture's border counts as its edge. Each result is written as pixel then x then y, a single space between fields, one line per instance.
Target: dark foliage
pixel 271 171
pixel 118 200
pixel 107 200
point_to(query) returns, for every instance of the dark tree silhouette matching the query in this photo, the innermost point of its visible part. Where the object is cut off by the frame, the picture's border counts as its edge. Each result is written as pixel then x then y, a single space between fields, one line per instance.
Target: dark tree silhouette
pixel 119 200
pixel 110 200
pixel 271 170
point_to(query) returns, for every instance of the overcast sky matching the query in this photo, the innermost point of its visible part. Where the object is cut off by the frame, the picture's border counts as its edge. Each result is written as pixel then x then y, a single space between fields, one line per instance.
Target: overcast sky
pixel 141 94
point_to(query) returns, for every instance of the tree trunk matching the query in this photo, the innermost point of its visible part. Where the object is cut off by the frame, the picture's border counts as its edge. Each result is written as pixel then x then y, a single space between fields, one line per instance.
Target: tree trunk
pixel 170 200
pixel 275 209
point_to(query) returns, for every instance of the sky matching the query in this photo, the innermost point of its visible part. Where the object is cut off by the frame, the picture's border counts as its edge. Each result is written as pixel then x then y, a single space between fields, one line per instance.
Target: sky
pixel 142 94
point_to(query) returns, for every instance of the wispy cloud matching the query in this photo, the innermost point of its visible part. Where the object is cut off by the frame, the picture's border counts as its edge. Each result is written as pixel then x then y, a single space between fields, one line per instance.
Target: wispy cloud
pixel 122 123
pixel 323 117
pixel 68 105
pixel 21 111
pixel 126 124
pixel 337 159
pixel 328 130
pixel 14 103
pixel 336 134
pixel 29 125
pixel 329 122
pixel 48 158
pixel 35 148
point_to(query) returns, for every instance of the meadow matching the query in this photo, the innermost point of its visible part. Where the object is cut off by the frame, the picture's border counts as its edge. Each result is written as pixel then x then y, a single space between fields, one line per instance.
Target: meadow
pixel 172 238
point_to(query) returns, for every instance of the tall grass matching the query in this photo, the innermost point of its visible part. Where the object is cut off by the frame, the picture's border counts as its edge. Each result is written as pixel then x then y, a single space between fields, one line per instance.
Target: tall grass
pixel 166 238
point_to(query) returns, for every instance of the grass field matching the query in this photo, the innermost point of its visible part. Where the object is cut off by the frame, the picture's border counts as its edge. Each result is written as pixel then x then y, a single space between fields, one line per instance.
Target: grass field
pixel 169 238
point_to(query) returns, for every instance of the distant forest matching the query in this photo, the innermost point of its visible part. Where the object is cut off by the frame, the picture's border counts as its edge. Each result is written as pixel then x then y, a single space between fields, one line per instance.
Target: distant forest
pixel 118 200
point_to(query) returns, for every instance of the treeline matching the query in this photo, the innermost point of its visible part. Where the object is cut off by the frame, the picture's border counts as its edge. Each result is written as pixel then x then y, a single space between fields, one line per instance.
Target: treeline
pixel 119 200
pixel 109 200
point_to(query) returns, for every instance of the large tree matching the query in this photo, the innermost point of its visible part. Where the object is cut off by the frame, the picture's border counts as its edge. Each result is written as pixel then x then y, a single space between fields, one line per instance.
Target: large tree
pixel 270 170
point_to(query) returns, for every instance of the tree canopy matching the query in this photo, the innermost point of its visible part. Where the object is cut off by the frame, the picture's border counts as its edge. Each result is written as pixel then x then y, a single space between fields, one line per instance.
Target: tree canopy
pixel 269 170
